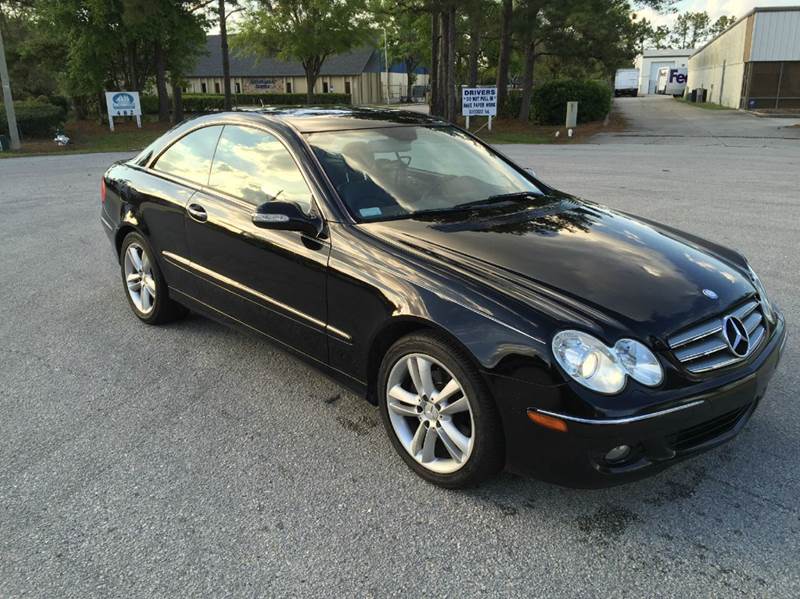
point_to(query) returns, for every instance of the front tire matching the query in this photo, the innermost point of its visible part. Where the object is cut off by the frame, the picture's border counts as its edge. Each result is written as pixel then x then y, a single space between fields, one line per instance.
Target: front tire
pixel 144 283
pixel 438 412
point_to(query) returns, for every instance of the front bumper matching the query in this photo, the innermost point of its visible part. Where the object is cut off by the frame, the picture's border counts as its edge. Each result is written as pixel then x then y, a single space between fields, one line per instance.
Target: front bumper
pixel 658 438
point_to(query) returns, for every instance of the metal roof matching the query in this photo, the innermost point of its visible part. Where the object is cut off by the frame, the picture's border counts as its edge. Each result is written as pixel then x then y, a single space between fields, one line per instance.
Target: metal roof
pixel 209 64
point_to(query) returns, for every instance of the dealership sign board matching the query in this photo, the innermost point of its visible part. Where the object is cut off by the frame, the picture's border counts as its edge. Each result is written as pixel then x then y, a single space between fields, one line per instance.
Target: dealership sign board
pixel 123 104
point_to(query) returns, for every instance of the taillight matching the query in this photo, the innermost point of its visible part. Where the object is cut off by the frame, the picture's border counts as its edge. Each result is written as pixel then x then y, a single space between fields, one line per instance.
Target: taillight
pixel 103 190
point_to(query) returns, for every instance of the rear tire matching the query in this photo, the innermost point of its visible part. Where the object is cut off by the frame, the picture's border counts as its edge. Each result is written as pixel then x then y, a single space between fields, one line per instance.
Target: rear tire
pixel 438 413
pixel 144 283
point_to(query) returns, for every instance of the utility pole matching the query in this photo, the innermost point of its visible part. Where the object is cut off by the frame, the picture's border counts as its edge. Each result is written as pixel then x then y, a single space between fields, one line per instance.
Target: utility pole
pixel 386 62
pixel 11 116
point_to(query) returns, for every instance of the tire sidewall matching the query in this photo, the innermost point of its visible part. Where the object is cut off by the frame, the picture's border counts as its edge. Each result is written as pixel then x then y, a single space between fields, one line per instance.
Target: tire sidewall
pixel 487 453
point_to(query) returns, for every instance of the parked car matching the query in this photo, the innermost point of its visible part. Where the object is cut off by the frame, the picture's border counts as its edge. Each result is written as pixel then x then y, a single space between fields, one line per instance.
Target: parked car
pixel 496 321
pixel 626 82
pixel 671 81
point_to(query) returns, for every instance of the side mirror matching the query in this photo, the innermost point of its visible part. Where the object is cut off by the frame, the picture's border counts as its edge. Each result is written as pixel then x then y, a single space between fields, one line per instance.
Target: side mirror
pixel 287 216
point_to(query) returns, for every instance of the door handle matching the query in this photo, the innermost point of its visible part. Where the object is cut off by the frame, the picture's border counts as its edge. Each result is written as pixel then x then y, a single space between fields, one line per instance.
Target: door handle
pixel 197 212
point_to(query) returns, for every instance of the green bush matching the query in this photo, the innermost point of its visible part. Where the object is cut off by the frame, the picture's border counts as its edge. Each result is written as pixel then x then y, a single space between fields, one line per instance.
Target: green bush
pixel 550 100
pixel 149 104
pixel 511 104
pixel 212 102
pixel 34 119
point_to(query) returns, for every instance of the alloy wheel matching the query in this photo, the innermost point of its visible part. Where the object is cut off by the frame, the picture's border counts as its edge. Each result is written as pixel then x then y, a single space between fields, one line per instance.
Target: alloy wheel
pixel 430 413
pixel 139 278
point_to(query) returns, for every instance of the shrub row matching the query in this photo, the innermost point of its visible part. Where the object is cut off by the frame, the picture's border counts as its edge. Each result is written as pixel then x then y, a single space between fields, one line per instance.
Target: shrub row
pixel 212 102
pixel 549 102
pixel 34 118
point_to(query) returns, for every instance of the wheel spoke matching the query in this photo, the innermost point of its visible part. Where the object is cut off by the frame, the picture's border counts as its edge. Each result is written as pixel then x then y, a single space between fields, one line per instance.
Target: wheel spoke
pixel 429 446
pixel 420 370
pixel 450 389
pixel 134 281
pixel 413 371
pixel 145 263
pixel 146 299
pixel 459 405
pixel 449 445
pixel 425 376
pixel 401 395
pixel 135 259
pixel 150 284
pixel 416 442
pixel 460 441
pixel 402 408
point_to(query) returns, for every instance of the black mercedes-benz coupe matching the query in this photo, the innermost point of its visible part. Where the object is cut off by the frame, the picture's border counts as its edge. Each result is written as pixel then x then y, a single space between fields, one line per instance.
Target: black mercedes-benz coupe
pixel 495 321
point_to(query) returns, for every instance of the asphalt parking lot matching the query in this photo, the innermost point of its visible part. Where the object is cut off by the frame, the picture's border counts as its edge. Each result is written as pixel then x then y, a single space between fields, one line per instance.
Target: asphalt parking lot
pixel 195 460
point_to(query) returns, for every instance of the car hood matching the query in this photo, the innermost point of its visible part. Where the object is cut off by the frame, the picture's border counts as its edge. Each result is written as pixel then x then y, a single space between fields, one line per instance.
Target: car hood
pixel 647 278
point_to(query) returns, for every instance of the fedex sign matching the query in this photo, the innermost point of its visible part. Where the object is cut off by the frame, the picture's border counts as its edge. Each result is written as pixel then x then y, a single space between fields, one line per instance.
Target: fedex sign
pixel 675 76
pixel 672 80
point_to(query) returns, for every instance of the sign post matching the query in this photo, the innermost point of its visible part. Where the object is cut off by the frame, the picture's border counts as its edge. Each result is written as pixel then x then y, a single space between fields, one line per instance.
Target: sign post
pixel 479 101
pixel 123 104
pixel 572 115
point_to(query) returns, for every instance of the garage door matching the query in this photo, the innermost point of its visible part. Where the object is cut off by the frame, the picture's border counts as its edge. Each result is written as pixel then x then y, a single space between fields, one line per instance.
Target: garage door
pixel 654 66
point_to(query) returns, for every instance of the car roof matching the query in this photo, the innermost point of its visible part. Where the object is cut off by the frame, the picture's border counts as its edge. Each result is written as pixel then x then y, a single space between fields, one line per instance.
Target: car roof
pixel 311 119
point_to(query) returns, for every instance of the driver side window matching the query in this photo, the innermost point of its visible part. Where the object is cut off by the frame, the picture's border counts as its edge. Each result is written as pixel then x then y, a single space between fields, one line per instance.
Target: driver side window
pixel 254 166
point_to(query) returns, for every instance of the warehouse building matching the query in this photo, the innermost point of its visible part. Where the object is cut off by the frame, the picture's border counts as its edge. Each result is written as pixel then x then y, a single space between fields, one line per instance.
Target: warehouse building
pixel 754 64
pixel 652 59
pixel 357 73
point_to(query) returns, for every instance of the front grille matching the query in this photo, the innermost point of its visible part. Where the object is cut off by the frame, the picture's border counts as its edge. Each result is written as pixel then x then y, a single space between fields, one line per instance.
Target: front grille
pixel 704 347
pixel 700 433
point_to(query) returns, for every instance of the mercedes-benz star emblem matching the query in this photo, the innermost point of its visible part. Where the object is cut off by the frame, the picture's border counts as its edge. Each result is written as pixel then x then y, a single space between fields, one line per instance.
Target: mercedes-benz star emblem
pixel 710 294
pixel 736 335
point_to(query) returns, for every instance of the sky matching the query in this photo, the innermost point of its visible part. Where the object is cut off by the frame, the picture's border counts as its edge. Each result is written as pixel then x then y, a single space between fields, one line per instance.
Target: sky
pixel 714 8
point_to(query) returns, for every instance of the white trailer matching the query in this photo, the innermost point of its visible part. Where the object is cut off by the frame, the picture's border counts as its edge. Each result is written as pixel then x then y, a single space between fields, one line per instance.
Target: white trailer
pixel 626 82
pixel 671 81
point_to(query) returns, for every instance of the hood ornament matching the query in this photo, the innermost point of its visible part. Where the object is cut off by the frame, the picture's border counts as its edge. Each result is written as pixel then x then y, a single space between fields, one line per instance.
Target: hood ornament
pixel 710 294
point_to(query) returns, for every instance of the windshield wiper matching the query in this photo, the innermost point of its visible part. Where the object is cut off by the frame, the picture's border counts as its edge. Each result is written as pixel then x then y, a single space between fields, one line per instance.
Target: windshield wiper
pixel 497 199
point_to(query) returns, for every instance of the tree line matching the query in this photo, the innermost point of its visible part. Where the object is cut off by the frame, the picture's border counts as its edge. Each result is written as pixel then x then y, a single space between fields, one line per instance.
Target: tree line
pixel 81 48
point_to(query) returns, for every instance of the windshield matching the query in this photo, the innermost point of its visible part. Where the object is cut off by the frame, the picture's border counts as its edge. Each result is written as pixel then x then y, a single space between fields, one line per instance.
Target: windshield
pixel 395 172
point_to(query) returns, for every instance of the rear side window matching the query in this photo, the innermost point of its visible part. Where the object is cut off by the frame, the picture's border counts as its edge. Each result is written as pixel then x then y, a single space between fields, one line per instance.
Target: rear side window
pixel 254 166
pixel 190 157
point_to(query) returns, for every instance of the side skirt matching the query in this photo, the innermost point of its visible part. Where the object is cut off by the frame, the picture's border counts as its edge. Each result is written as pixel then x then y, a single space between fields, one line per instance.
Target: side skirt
pixel 353 384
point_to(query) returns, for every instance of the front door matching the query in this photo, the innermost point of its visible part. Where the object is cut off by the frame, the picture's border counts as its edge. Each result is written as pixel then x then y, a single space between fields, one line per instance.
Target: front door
pixel 272 281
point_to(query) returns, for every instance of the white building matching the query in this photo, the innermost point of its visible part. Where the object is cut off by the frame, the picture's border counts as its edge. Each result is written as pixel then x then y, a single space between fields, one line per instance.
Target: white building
pixel 652 59
pixel 754 64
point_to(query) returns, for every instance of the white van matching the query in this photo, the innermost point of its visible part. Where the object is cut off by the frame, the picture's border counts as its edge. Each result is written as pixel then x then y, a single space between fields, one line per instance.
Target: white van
pixel 626 82
pixel 671 81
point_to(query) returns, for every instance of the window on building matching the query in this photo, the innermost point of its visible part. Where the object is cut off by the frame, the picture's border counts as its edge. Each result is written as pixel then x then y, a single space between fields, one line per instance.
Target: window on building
pixel 216 87
pixel 324 87
pixel 238 88
pixel 347 87
pixel 203 87
pixel 190 157
pixel 255 166
pixel 289 87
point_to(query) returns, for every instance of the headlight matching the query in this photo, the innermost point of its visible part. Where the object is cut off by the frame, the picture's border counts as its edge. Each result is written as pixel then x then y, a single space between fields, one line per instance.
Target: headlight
pixel 603 369
pixel 766 306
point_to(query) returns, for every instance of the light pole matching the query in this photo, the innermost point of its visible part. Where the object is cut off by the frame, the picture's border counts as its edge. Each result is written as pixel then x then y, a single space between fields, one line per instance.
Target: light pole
pixel 11 116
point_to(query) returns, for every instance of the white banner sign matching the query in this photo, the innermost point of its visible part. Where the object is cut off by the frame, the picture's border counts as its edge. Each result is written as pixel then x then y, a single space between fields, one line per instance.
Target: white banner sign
pixel 479 101
pixel 123 104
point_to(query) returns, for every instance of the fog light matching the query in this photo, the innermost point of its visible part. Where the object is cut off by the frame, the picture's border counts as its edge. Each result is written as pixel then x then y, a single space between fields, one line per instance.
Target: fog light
pixel 620 452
